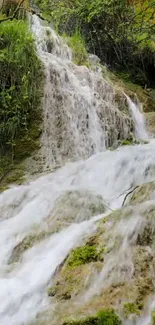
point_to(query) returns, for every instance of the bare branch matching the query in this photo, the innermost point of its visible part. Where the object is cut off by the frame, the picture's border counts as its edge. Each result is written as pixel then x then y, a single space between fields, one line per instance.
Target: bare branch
pixel 14 14
pixel 128 194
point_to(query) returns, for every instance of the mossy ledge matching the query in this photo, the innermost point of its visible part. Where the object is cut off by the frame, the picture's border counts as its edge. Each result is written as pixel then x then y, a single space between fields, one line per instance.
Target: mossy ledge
pixel 103 317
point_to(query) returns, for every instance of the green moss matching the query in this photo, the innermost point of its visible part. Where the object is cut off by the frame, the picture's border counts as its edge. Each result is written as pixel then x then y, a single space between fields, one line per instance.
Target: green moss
pixel 86 321
pixel 11 173
pixel 143 192
pixel 83 255
pixel 104 317
pixel 52 291
pixel 130 308
pixel 153 318
pixel 126 143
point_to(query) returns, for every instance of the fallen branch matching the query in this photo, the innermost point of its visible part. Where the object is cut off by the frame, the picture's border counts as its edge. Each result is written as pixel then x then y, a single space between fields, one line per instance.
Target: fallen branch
pixel 129 194
pixel 124 192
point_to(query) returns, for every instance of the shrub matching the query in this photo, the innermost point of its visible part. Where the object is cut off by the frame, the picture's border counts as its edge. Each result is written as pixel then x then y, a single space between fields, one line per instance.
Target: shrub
pixel 130 308
pixel 78 46
pixel 20 85
pixel 108 317
pixel 83 255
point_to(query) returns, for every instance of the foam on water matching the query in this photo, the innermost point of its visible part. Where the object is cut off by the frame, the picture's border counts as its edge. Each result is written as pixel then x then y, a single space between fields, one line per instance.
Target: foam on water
pixel 74 102
pixel 81 114
pixel 23 285
pixel 137 114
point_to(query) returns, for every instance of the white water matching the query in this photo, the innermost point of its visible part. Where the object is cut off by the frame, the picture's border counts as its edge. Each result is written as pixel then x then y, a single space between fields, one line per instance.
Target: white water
pixel 138 117
pixel 25 209
pixel 24 285
pixel 81 115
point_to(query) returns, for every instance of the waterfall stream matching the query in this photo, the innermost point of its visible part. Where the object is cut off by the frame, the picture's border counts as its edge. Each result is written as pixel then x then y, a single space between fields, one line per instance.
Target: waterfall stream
pixel 75 99
pixel 81 115
pixel 140 128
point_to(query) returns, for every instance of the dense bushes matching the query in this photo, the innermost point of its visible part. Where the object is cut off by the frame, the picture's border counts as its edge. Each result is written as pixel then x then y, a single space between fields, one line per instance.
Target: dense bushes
pixel 120 32
pixel 20 82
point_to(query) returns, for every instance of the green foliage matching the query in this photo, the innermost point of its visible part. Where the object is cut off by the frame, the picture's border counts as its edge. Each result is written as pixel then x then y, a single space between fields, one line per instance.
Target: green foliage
pixel 108 317
pixel 126 143
pixel 78 46
pixel 104 317
pixel 20 87
pixel 83 255
pixel 130 308
pixel 121 33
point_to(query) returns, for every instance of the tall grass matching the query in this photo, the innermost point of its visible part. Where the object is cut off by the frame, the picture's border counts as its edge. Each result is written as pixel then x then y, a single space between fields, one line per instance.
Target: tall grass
pixel 20 80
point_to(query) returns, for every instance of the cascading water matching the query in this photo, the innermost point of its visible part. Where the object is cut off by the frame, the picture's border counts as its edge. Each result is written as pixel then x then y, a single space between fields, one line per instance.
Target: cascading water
pixel 73 129
pixel 81 116
pixel 138 117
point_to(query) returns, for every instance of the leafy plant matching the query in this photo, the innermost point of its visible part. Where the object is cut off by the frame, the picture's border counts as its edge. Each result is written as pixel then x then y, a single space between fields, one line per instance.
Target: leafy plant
pixel 130 308
pixel 78 46
pixel 83 255
pixel 120 32
pixel 20 79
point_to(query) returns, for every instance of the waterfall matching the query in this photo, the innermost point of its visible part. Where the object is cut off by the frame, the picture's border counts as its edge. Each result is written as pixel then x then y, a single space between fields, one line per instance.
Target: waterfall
pixel 138 117
pixel 81 115
pixel 26 210
pixel 55 212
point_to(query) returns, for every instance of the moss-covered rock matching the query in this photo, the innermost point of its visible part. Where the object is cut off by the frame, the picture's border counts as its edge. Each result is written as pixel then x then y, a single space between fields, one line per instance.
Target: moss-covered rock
pixel 130 308
pixel 104 317
pixel 75 206
pixel 143 193
pixel 25 244
pixel 81 263
pixel 83 255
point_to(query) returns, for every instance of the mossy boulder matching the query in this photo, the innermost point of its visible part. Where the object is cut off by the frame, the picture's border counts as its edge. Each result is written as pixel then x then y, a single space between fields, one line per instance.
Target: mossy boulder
pixel 26 244
pixel 104 317
pixel 81 262
pixel 75 206
pixel 143 193
pixel 83 255
pixel 130 308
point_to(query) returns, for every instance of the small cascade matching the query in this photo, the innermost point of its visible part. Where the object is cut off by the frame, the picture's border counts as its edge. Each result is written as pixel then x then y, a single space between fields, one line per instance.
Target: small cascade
pixel 81 115
pixel 138 117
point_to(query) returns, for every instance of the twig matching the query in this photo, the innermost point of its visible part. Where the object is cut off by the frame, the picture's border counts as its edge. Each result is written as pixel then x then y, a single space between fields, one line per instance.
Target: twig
pixel 124 192
pixel 128 194
pixel 14 14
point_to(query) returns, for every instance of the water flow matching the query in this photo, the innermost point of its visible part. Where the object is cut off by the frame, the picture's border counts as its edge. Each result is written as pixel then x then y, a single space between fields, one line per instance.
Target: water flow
pixel 138 117
pixel 72 129
pixel 26 209
pixel 81 116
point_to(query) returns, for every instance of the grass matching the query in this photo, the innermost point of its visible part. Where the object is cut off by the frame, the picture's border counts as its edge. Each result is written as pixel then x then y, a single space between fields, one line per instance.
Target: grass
pixel 21 76
pixel 78 46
